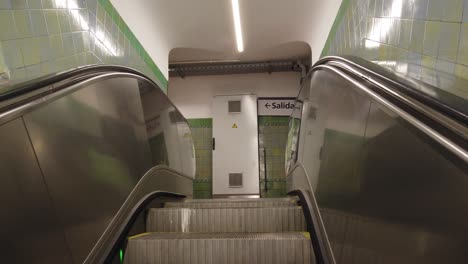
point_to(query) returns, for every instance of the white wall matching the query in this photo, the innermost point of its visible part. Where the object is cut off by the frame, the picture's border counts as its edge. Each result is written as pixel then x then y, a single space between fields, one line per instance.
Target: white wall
pixel 193 95
pixel 323 15
pixel 206 25
pixel 152 35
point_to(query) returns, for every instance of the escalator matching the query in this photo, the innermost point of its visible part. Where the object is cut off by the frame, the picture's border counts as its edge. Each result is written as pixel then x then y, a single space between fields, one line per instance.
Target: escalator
pixel 385 159
pixel 98 165
pixel 223 231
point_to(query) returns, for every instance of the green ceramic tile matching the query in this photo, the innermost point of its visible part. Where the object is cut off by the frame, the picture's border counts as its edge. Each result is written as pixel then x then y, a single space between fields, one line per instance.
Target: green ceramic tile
pixel 465 12
pixel 35 4
pixel 91 58
pixel 76 3
pixel 8 29
pixel 19 4
pixel 449 40
pixel 3 66
pixel 379 8
pixel 18 74
pixel 38 22
pixel 33 71
pixel 5 4
pixel 78 42
pixel 53 26
pixel 23 23
pixel 417 36
pixel 86 41
pixel 101 14
pixel 405 33
pixel 64 21
pixel 435 10
pixel 47 68
pixel 92 6
pixel 420 9
pixel 463 48
pixel 81 59
pixel 445 66
pixel 31 51
pixel 407 9
pixel 44 46
pixel 48 4
pixel 452 11
pixel 56 46
pixel 432 35
pixel 60 4
pixel 108 23
pixel 74 18
pixel 68 44
pixel 12 54
pixel 428 62
pixel 84 19
pixel 461 71
pixel 65 63
pixel 46 23
pixel 394 36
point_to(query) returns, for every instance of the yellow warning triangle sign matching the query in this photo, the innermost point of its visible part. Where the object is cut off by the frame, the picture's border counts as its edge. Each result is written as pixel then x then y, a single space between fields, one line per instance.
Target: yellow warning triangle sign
pixel 234 125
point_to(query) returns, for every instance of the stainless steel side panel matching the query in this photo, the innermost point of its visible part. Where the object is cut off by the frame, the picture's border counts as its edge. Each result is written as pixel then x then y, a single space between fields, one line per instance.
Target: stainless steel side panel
pixel 92 146
pixel 29 230
pixel 387 192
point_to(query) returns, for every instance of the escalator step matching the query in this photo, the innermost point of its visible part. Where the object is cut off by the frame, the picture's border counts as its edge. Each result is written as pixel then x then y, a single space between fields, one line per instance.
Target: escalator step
pixel 266 219
pixel 289 247
pixel 232 203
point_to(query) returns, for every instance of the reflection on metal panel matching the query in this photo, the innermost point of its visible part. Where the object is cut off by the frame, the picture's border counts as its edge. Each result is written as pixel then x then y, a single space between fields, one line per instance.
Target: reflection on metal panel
pixel 387 192
pixel 169 135
pixel 92 147
pixel 29 230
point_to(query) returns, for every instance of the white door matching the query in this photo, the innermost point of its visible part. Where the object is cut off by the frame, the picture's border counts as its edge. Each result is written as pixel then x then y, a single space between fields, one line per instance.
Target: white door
pixel 235 150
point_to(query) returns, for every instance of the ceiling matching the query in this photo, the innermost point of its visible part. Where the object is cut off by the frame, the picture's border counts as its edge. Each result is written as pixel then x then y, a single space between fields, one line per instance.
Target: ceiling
pixel 203 30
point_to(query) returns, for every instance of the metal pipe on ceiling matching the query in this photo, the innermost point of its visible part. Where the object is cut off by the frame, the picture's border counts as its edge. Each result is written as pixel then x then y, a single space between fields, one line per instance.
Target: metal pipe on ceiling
pixel 230 67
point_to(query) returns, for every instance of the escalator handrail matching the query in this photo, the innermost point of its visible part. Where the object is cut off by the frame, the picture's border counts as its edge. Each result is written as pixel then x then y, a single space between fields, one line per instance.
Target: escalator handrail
pixel 402 85
pixel 454 142
pixel 7 114
pixel 454 125
pixel 66 83
pixel 319 237
pixel 50 79
pixel 117 230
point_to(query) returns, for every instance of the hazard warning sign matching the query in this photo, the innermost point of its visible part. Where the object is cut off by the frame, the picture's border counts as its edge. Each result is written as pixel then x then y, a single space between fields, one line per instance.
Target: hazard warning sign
pixel 234 125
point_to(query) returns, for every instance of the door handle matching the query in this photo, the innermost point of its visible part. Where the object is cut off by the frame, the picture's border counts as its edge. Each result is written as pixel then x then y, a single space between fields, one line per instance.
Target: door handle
pixel 214 143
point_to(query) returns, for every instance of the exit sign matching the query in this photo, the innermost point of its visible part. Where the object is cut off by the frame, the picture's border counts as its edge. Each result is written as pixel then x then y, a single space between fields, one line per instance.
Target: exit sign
pixel 275 106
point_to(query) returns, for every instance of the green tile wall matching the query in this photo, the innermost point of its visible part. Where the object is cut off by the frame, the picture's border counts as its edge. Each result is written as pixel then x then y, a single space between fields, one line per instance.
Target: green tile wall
pixel 273 134
pixel 273 137
pixel 423 39
pixel 40 37
pixel 202 136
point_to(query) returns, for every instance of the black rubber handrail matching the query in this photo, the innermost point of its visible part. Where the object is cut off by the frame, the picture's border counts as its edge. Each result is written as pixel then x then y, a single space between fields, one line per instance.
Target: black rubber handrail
pixel 131 219
pixel 450 105
pixel 322 251
pixel 38 83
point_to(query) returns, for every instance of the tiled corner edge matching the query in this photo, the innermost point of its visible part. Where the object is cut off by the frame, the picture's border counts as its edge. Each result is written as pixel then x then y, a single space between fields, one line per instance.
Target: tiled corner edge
pixel 339 17
pixel 112 12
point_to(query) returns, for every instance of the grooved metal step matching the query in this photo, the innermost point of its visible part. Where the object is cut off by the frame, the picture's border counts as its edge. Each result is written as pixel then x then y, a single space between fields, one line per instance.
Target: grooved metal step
pixel 211 248
pixel 232 203
pixel 265 219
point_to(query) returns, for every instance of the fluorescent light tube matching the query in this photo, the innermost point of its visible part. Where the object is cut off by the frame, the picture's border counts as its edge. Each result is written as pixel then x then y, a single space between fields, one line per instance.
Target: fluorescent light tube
pixel 237 25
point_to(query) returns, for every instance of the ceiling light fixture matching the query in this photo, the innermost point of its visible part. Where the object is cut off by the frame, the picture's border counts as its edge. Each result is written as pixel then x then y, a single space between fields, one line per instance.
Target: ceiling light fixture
pixel 237 25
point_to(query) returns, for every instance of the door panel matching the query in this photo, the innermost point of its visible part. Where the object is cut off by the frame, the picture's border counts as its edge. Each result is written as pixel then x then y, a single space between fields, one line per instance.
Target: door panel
pixel 235 156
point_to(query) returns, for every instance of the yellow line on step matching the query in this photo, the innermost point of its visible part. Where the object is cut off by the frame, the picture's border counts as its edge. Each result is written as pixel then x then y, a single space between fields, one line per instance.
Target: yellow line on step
pixel 139 235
